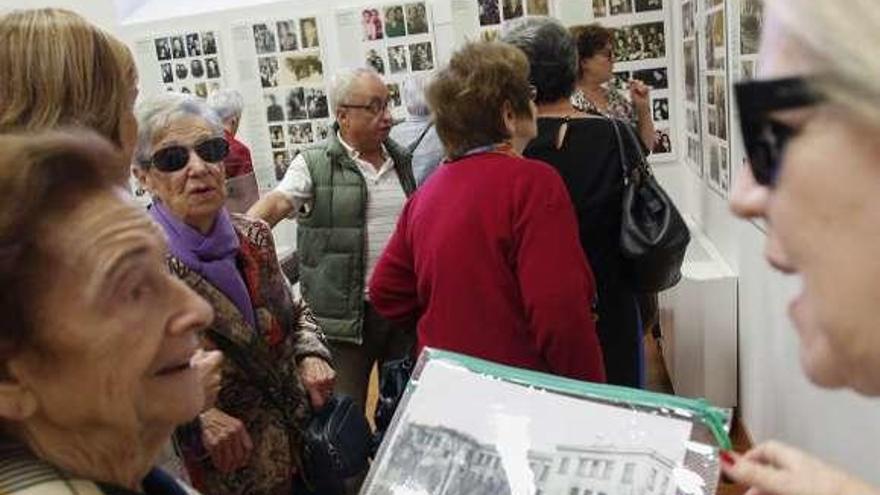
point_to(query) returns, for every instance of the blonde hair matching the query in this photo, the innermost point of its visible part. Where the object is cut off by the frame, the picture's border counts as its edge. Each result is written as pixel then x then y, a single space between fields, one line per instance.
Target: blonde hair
pixel 841 38
pixel 61 70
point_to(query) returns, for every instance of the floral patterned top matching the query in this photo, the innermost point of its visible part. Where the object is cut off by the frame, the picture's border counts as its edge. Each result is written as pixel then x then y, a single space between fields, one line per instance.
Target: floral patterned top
pixel 618 106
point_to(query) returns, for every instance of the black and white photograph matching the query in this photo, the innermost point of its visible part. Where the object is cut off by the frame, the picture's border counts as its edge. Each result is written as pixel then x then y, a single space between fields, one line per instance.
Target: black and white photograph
pixel 619 7
pixel 600 8
pixel 322 130
pixel 280 162
pixel 268 71
pixel 690 71
pixel 394 94
pixel 167 74
pixel 655 78
pixel 695 156
pixel 163 48
pixel 710 90
pixel 276 136
pixel 299 69
pixel 512 9
pixel 212 68
pixel 209 43
pixel 620 80
pixel 371 22
pixel 296 104
pixel 177 48
pixel 639 42
pixel 421 56
pixel 662 142
pixel 274 110
pixel 660 108
pixel 688 19
pixel 397 59
pixel 193 45
pixel 490 13
pixel 287 39
pixel 714 166
pixel 308 28
pixel 751 19
pixel 648 5
pixel 416 18
pixel 264 39
pixel 181 71
pixel 537 7
pixel 440 447
pixel 395 26
pixel 300 133
pixel 197 68
pixel 316 103
pixel 721 106
pixel 692 123
pixel 201 90
pixel 715 40
pixel 712 121
pixel 724 170
pixel 375 60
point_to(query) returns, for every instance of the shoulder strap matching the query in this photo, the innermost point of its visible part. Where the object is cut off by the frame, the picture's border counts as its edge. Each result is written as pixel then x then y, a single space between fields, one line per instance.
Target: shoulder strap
pixel 415 144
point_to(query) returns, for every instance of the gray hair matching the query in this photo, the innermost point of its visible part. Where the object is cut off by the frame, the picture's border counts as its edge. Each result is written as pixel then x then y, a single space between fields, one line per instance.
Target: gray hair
pixel 343 84
pixel 840 38
pixel 155 115
pixel 228 103
pixel 413 92
pixel 552 55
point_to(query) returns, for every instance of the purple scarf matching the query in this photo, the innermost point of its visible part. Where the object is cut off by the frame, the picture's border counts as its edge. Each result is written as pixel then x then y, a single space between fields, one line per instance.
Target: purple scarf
pixel 212 256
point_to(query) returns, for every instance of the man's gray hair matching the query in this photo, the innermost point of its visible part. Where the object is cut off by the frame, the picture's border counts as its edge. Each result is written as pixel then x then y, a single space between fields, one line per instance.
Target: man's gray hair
pixel 413 92
pixel 343 84
pixel 156 114
pixel 228 103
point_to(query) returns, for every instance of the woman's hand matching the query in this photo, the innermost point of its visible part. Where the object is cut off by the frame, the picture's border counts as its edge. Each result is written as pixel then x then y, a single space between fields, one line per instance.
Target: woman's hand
pixel 318 378
pixel 226 440
pixel 639 95
pixel 775 468
pixel 208 364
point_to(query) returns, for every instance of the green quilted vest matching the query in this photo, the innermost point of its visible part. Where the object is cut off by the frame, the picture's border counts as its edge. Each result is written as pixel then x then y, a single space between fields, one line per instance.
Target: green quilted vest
pixel 331 237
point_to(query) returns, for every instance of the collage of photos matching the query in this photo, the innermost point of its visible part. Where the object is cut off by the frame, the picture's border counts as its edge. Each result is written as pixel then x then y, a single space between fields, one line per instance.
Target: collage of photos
pixel 494 13
pixel 189 62
pixel 603 8
pixel 397 40
pixel 715 100
pixel 291 70
pixel 640 42
pixel 690 52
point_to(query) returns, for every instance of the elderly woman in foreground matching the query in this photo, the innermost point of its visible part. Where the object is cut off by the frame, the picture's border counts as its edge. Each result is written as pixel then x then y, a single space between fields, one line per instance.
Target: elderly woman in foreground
pixel 276 358
pixel 95 366
pixel 810 123
pixel 485 255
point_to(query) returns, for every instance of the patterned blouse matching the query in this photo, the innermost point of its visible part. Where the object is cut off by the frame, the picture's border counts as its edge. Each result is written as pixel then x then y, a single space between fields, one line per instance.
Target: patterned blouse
pixel 618 106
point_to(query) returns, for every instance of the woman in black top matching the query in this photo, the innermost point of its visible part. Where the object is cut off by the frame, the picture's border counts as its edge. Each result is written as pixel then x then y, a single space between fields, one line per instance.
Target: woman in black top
pixel 583 148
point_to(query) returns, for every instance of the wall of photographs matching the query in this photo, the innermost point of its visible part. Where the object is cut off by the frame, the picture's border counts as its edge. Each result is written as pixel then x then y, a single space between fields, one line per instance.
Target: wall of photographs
pixel 642 51
pixel 691 49
pixel 716 146
pixel 188 62
pixel 395 39
pixel 290 66
pixel 493 14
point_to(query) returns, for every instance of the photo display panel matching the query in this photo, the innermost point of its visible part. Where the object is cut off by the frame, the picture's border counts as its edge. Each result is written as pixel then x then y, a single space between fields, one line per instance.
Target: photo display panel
pixel 715 99
pixel 185 61
pixel 493 14
pixel 691 49
pixel 641 45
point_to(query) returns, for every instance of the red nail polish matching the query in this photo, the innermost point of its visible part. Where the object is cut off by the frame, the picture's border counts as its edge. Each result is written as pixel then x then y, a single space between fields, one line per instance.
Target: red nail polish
pixel 727 458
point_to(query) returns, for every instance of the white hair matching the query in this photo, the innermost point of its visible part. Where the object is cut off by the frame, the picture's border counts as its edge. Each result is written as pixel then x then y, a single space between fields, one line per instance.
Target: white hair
pixel 228 103
pixel 156 114
pixel 343 84
pixel 413 92
pixel 841 38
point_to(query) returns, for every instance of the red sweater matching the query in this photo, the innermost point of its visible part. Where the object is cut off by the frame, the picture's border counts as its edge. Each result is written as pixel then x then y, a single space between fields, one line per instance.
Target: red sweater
pixel 486 256
pixel 239 160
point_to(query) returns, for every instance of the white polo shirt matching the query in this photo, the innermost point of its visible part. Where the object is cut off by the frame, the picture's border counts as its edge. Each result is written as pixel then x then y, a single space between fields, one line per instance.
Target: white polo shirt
pixel 385 198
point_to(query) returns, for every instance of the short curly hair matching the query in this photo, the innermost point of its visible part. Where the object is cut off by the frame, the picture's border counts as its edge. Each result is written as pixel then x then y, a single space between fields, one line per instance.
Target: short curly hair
pixel 468 95
pixel 552 55
pixel 591 39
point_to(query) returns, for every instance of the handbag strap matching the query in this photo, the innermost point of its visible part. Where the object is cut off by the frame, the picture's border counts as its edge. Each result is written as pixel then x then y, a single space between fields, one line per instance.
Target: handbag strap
pixel 642 164
pixel 415 144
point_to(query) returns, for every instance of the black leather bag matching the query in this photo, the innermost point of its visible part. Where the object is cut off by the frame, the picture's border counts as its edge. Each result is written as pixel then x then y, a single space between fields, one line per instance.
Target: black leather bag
pixel 653 234
pixel 393 378
pixel 336 445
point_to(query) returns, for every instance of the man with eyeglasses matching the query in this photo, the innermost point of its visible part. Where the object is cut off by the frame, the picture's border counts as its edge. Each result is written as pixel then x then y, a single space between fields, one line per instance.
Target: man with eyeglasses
pixel 346 193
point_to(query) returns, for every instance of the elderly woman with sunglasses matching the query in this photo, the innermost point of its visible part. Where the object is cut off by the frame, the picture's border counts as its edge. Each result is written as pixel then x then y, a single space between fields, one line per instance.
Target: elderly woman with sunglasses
pixel 276 358
pixel 810 124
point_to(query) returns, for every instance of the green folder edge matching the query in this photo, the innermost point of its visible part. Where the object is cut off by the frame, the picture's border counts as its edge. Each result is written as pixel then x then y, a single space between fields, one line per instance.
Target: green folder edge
pixel 714 418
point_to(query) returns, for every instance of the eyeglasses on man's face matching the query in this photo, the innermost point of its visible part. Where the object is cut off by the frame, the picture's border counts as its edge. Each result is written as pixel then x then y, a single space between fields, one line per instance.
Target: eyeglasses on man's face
pixel 374 107
pixel 765 139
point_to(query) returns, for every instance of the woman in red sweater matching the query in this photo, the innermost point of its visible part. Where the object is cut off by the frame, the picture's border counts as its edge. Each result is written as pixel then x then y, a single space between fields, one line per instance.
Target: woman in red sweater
pixel 486 255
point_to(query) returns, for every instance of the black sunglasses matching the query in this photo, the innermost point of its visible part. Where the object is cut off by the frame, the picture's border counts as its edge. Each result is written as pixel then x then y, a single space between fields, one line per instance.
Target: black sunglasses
pixel 765 139
pixel 173 158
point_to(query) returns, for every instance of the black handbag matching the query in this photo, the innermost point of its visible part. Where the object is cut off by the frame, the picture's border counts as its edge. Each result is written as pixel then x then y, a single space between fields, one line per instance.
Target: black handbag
pixel 336 445
pixel 393 378
pixel 653 234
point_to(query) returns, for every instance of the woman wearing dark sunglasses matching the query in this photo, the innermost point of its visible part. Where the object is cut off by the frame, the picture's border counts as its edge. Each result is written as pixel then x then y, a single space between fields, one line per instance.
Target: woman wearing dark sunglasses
pixel 810 125
pixel 277 363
